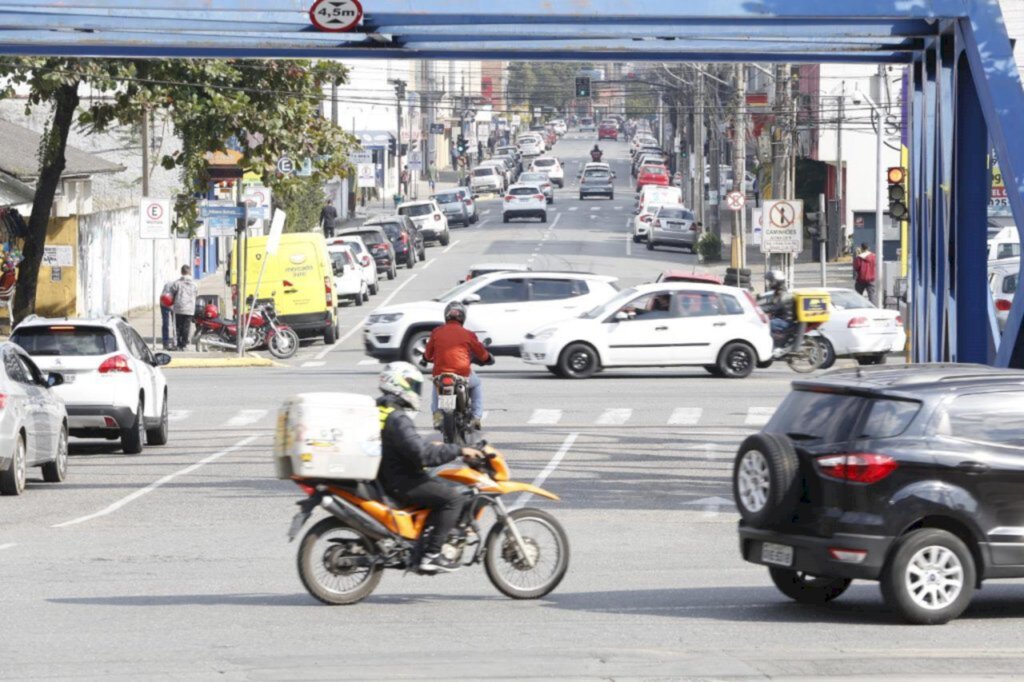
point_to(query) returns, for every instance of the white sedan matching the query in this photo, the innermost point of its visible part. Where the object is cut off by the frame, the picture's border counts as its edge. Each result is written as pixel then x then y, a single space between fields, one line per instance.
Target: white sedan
pixel 857 329
pixel 642 222
pixel 673 324
pixel 551 166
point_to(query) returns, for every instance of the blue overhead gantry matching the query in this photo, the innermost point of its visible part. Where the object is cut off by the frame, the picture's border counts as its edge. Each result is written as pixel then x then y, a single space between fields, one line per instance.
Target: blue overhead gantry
pixel 965 93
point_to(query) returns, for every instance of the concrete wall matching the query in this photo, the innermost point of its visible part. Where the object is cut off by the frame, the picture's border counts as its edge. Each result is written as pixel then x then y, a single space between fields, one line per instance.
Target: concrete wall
pixel 115 272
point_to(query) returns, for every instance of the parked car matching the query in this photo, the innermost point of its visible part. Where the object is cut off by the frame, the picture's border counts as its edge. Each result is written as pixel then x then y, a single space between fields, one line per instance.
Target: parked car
pixel 858 329
pixel 642 223
pixel 681 276
pixel 551 166
pixel 454 206
pixel 608 131
pixel 502 306
pixel 428 218
pixel 673 225
pixel 587 124
pixel 909 476
pixel 524 201
pixel 648 159
pixel 560 126
pixel 651 175
pixel 530 145
pixel 406 240
pixel 1005 244
pixel 658 194
pixel 597 182
pixel 113 386
pixel 33 422
pixel 348 277
pixel 1002 280
pixel 481 269
pixel 372 234
pixel 511 166
pixel 367 265
pixel 487 179
pixel 657 325
pixel 541 180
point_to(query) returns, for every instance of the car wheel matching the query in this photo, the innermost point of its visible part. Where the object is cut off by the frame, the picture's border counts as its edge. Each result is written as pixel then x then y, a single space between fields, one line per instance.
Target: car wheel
pixel 504 217
pixel 331 335
pixel 358 300
pixel 158 436
pixel 366 294
pixel 612 196
pixel 578 361
pixel 57 470
pixel 929 578
pixel 12 481
pixel 828 352
pixel 807 589
pixel 650 244
pixel 475 219
pixel 878 359
pixel 713 370
pixel 415 346
pixel 445 239
pixel 636 239
pixel 737 360
pixel 544 217
pixel 581 197
pixel 374 288
pixel 410 260
pixel 134 436
pixel 765 478
pixel 392 272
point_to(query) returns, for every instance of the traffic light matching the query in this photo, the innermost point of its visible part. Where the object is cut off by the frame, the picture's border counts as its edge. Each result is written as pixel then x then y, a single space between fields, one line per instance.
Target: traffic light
pixel 582 86
pixel 391 146
pixel 897 179
pixel 462 146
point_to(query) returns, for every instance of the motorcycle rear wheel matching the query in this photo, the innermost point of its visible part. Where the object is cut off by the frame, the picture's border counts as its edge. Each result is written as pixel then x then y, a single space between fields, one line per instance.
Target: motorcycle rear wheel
pixel 329 571
pixel 284 343
pixel 808 357
pixel 450 431
pixel 546 542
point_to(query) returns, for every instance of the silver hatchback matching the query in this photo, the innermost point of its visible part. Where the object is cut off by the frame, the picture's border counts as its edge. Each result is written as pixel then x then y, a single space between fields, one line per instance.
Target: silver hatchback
pixel 673 225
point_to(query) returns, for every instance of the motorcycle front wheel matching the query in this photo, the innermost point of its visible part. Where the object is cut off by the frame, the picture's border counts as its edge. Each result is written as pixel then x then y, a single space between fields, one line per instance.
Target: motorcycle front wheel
pixel 284 343
pixel 547 549
pixel 808 357
pixel 337 563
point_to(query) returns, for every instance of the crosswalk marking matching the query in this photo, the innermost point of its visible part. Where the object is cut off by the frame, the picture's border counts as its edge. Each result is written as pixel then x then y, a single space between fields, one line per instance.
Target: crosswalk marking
pixel 369 361
pixel 545 417
pixel 314 363
pixel 685 416
pixel 178 415
pixel 618 208
pixel 614 417
pixel 759 416
pixel 247 417
pixel 595 208
pixel 574 208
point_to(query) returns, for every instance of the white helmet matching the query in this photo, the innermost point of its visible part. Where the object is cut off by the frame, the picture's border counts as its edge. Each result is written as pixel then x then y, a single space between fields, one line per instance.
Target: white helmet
pixel 404 381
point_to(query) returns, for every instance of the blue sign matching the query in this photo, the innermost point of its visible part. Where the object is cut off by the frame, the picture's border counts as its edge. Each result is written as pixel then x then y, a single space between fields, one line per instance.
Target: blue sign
pixel 437 128
pixel 221 211
pixel 220 227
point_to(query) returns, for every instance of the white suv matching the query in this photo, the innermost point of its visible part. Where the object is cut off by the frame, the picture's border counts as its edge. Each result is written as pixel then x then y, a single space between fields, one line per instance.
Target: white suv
pixel 502 306
pixel 428 218
pixel 486 179
pixel 524 201
pixel 551 166
pixel 113 386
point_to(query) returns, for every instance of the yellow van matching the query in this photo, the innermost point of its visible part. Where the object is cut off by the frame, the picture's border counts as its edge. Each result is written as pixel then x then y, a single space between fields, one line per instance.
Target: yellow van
pixel 299 278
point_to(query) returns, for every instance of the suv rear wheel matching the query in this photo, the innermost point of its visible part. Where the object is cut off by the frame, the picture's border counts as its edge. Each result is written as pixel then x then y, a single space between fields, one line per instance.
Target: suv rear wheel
pixel 765 478
pixel 134 436
pixel 930 577
pixel 807 589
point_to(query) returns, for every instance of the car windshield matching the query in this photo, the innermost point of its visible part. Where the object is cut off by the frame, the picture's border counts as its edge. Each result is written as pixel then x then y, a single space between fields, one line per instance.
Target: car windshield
pixel 543 163
pixel 523 191
pixel 620 299
pixel 831 417
pixel 392 230
pixel 370 237
pixel 675 214
pixel 415 210
pixel 339 259
pixel 534 177
pixel 66 340
pixel 652 170
pixel 447 198
pixel 481 172
pixel 457 292
pixel 597 175
pixel 849 300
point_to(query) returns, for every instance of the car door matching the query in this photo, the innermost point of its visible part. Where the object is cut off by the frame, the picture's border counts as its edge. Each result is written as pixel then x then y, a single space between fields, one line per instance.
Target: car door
pixel 50 408
pixel 553 299
pixel 642 332
pixel 704 326
pixel 143 365
pixel 26 400
pixel 501 313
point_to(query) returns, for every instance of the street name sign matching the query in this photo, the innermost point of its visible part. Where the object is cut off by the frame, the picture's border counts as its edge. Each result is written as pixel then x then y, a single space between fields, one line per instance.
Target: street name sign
pixel 783 226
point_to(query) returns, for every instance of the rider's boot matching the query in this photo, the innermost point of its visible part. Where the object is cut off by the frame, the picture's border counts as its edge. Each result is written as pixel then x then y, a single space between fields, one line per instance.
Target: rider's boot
pixel 437 563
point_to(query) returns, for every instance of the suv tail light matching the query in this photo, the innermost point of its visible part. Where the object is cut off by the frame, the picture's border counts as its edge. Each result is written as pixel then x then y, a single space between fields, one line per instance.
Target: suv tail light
pixel 657 223
pixel 365 260
pixel 116 363
pixel 468 202
pixel 405 238
pixel 539 196
pixel 899 320
pixel 857 467
pixel 3 400
pixel 510 198
pixel 327 292
pixel 1002 305
pixel 857 323
pixel 646 218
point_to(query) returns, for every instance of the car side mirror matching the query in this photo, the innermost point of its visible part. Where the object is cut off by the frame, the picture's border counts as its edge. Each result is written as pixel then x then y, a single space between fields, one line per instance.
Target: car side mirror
pixel 54 379
pixel 161 359
pixel 621 316
pixel 470 299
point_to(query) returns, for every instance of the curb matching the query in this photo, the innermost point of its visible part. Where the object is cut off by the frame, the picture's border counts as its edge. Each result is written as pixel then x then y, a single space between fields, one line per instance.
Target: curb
pixel 211 363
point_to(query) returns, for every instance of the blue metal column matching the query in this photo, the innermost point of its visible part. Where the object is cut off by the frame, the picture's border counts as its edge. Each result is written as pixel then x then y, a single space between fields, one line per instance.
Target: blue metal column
pixel 918 241
pixel 943 197
pixel 970 292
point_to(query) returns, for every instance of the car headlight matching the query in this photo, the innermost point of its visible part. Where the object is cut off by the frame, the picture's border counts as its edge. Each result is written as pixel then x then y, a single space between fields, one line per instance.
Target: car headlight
pixel 544 334
pixel 384 318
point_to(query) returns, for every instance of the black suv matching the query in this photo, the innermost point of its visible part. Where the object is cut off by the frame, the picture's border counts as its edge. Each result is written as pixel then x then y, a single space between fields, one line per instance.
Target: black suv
pixel 405 237
pixel 912 476
pixel 380 246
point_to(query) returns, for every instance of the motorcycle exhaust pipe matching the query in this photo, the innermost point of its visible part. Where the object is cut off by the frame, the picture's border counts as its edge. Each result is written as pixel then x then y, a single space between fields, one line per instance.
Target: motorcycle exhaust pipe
pixel 218 343
pixel 348 512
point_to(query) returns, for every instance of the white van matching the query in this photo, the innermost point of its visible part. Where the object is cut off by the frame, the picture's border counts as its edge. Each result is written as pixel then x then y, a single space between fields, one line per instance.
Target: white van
pixel 1005 244
pixel 1002 280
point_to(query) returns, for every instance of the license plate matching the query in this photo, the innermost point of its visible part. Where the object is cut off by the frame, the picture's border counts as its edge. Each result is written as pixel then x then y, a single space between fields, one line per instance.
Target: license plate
pixel 69 378
pixel 446 402
pixel 298 521
pixel 780 555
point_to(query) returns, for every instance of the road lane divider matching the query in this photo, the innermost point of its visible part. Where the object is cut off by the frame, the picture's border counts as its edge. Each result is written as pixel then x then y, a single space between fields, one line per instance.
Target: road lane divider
pixel 128 499
pixel 246 417
pixel 545 417
pixel 451 246
pixel 8 546
pixel 550 468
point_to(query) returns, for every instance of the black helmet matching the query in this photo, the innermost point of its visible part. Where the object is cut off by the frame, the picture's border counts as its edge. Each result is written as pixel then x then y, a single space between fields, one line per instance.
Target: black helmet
pixel 775 280
pixel 455 311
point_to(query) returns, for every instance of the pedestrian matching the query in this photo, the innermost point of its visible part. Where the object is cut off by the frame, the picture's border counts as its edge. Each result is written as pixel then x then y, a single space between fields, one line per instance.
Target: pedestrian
pixel 328 218
pixel 865 269
pixel 479 150
pixel 167 314
pixel 404 181
pixel 432 176
pixel 185 293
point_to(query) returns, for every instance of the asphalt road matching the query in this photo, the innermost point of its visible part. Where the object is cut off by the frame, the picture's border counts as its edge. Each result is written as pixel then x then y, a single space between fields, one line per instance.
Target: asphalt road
pixel 174 564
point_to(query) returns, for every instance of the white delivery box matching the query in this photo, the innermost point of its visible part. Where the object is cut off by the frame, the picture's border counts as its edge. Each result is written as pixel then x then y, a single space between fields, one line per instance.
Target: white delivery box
pixel 328 435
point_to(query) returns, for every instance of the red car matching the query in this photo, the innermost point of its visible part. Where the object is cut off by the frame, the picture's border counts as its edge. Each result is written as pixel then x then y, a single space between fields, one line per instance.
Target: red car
pixel 696 277
pixel 608 131
pixel 651 175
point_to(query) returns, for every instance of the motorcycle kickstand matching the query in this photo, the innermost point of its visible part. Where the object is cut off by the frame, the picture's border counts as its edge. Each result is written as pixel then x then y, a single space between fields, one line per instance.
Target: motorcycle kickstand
pixel 520 544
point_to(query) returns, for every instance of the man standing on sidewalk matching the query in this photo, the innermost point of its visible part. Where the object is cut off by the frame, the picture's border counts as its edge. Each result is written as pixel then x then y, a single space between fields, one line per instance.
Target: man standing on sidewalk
pixel 167 314
pixel 864 268
pixel 185 294
pixel 404 182
pixel 432 176
pixel 328 218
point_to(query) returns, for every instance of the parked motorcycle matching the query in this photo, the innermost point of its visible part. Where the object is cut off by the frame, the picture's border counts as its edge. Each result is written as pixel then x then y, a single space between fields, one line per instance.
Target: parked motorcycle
pixel 264 329
pixel 341 558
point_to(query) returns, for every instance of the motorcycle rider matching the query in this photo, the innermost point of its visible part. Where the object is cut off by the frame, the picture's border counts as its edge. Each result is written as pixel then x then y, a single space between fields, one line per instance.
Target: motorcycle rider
pixel 404 455
pixel 452 348
pixel 780 307
pixel 596 153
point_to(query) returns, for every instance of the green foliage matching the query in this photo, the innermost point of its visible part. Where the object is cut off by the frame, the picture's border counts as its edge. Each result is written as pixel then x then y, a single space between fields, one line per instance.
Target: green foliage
pixel 301 199
pixel 709 246
pixel 543 84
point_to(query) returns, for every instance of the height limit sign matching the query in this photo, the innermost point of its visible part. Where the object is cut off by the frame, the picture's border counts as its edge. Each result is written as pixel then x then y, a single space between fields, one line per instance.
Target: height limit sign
pixel 783 226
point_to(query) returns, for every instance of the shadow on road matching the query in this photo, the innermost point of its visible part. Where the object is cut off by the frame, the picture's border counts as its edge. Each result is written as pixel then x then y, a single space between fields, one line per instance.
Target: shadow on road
pixel 297 599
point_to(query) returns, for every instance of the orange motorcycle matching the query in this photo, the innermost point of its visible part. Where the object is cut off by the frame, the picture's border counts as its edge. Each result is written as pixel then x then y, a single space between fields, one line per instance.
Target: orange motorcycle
pixel 525 553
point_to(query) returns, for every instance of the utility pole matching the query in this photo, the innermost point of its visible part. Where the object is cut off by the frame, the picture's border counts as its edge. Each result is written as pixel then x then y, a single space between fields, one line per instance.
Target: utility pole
pixel 879 183
pixel 841 113
pixel 698 149
pixel 399 96
pixel 715 174
pixel 145 193
pixel 739 167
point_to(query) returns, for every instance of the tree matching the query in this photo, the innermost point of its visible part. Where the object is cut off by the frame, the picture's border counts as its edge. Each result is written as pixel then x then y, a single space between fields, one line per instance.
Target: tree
pixel 266 108
pixel 543 84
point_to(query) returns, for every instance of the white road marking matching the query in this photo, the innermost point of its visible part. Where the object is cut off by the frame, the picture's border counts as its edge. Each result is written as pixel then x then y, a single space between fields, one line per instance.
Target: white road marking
pixel 545 417
pixel 314 363
pixel 323 354
pixel 593 217
pixel 485 212
pixel 759 416
pixel 450 246
pixel 629 245
pixel 246 417
pixel 427 265
pixel 8 545
pixel 595 208
pixel 369 361
pixel 614 417
pixel 574 208
pixel 481 223
pixel 685 416
pixel 549 469
pixel 618 208
pixel 156 484
pixel 178 415
pixel 711 505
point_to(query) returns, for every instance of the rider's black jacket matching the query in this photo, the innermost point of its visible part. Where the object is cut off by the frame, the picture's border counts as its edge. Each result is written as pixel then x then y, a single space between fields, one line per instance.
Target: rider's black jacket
pixel 781 306
pixel 404 454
